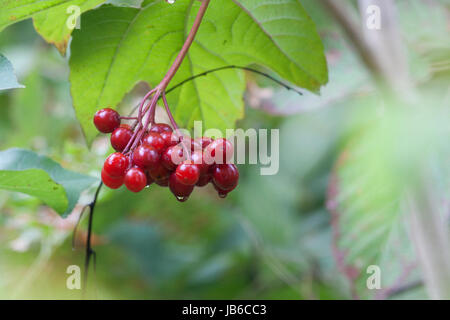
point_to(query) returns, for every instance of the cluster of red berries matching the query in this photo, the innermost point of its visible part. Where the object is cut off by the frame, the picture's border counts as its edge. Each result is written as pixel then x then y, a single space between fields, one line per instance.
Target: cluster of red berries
pixel 163 157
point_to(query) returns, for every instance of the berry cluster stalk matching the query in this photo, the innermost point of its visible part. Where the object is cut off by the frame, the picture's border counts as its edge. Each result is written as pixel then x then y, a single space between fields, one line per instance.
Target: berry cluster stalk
pixel 140 126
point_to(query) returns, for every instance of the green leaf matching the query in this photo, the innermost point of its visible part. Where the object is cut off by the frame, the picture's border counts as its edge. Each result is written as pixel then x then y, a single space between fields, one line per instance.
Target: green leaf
pixel 118 47
pixel 15 11
pixel 382 163
pixel 52 24
pixel 50 17
pixel 38 176
pixel 8 79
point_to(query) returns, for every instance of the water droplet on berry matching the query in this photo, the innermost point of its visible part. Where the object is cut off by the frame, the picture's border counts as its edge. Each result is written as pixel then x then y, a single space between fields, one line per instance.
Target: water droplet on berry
pixel 181 199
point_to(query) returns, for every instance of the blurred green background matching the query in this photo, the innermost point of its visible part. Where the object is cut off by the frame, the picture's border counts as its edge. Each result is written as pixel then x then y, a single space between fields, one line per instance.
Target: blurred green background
pixel 270 239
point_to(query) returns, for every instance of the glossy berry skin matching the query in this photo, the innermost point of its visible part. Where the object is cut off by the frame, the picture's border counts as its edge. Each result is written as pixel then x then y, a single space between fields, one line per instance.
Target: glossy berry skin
pixel 160 127
pixel 155 140
pixel 180 190
pixel 219 151
pixel 172 157
pixel 192 144
pixel 111 182
pixel 163 182
pixel 120 138
pixel 222 193
pixel 158 173
pixel 197 157
pixel 204 180
pixel 106 120
pixel 204 141
pixel 188 173
pixel 225 176
pixel 167 137
pixel 116 165
pixel 145 157
pixel 149 178
pixel 135 179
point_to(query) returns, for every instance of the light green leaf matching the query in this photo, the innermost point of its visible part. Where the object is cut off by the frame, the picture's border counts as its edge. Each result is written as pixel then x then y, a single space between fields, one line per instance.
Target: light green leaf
pixel 50 17
pixel 15 11
pixel 366 195
pixel 53 25
pixel 8 79
pixel 38 176
pixel 118 47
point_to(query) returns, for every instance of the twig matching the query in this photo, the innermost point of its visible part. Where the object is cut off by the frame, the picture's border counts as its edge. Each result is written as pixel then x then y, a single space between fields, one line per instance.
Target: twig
pixel 236 67
pixel 89 250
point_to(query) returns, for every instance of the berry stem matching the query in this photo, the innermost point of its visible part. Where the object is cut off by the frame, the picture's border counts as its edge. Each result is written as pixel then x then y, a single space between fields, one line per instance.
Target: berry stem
pixel 139 128
pixel 187 43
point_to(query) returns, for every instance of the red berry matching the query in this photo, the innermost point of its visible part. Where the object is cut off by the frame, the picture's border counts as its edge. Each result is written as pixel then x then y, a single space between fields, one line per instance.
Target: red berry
pixel 120 138
pixel 159 172
pixel 180 190
pixel 198 158
pixel 111 182
pixel 204 141
pixel 225 176
pixel 155 140
pixel 222 193
pixel 172 157
pixel 149 178
pixel 163 182
pixel 135 179
pixel 204 180
pixel 192 144
pixel 106 120
pixel 146 157
pixel 116 165
pixel 188 173
pixel 168 138
pixel 219 151
pixel 160 127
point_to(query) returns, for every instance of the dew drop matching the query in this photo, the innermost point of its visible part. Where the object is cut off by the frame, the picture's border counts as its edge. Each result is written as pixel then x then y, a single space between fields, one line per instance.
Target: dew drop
pixel 171 1
pixel 182 199
pixel 222 195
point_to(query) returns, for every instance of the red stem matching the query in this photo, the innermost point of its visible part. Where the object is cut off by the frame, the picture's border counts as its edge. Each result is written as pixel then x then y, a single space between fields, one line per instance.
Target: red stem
pixel 161 87
pixel 187 44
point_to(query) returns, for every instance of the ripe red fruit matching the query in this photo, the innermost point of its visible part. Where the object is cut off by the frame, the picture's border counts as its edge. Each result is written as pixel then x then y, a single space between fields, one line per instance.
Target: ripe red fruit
pixel 180 190
pixel 188 173
pixel 222 193
pixel 135 179
pixel 149 178
pixel 155 140
pixel 159 172
pixel 167 137
pixel 116 165
pixel 225 176
pixel 192 144
pixel 163 182
pixel 204 180
pixel 111 182
pixel 198 158
pixel 120 138
pixel 204 141
pixel 172 157
pixel 160 127
pixel 219 151
pixel 106 120
pixel 146 157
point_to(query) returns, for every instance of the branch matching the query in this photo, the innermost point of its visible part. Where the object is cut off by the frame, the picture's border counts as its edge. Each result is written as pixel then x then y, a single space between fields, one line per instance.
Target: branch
pixel 235 67
pixel 342 12
pixel 89 250
pixel 187 44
